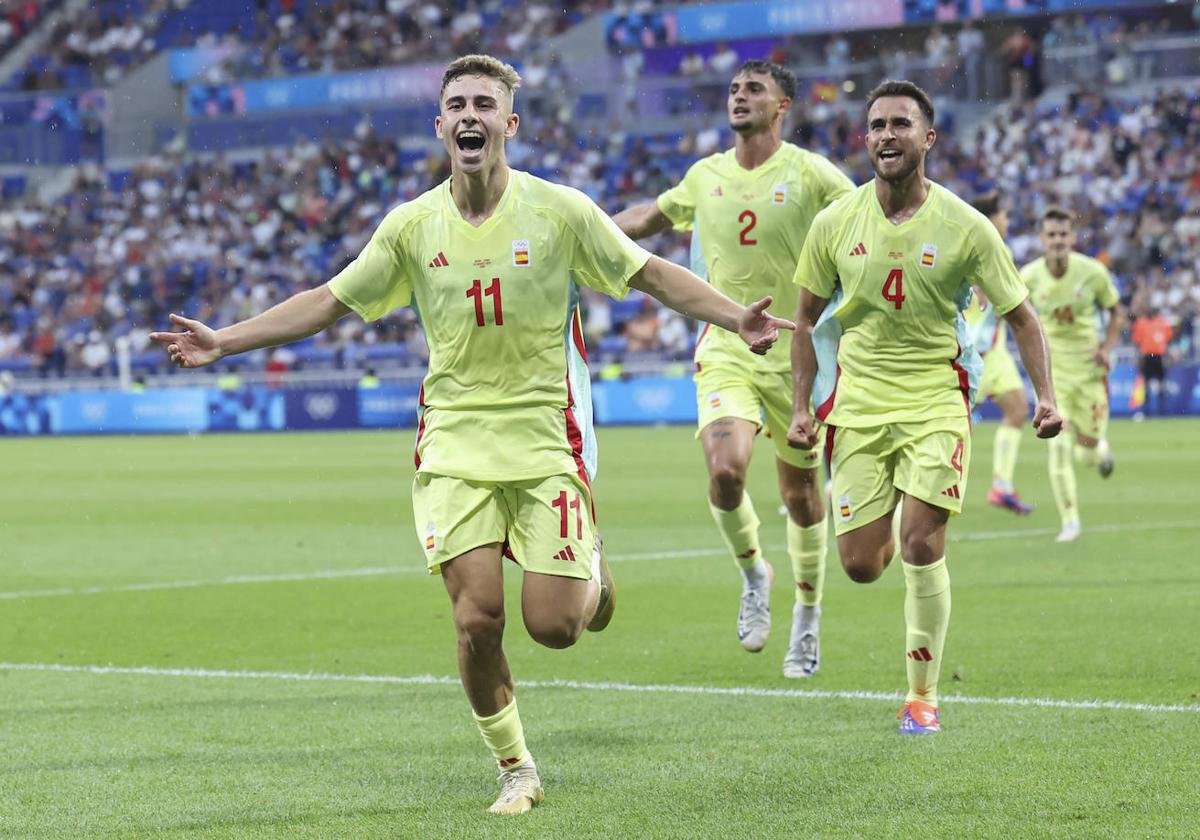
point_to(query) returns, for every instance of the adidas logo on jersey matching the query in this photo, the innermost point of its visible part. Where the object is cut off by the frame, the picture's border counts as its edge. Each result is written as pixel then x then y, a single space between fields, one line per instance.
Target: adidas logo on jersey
pixel 952 492
pixel 439 261
pixel 860 250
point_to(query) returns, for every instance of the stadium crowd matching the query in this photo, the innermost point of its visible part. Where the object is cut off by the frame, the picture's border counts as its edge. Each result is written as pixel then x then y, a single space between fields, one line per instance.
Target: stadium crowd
pixel 222 239
pixel 106 40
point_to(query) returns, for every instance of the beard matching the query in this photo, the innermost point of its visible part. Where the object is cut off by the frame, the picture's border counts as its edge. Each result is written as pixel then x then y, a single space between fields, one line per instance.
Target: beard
pixel 898 175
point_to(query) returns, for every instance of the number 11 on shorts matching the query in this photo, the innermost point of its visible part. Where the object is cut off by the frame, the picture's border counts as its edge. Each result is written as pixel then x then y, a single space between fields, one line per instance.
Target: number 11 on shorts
pixel 564 506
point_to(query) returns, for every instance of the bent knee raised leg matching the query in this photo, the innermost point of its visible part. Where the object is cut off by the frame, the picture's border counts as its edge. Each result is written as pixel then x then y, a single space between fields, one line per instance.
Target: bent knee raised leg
pixel 864 569
pixel 556 632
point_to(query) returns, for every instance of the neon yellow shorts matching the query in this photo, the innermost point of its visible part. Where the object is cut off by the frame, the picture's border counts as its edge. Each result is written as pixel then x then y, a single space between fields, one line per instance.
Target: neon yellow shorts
pixel 999 374
pixel 545 524
pixel 872 467
pixel 1083 403
pixel 764 399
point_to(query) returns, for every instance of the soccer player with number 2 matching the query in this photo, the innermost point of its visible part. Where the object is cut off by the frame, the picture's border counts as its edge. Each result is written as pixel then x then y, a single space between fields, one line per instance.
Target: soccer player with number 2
pixel 505 450
pixel 751 207
pixel 881 352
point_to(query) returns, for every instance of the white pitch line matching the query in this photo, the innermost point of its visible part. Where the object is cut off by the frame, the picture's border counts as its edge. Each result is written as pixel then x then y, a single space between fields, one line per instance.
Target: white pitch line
pixel 704 690
pixel 678 554
pixel 323 574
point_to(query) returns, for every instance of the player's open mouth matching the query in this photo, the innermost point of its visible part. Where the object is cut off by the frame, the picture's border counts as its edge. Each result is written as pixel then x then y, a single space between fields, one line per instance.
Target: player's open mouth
pixel 890 154
pixel 470 140
pixel 741 112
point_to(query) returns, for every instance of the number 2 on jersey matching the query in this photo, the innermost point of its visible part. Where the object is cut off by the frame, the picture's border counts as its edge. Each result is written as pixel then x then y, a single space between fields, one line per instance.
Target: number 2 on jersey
pixel 893 287
pixel 748 218
pixel 493 291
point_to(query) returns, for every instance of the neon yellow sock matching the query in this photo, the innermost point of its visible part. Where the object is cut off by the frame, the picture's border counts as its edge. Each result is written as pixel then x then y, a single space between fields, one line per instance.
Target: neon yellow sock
pixel 807 547
pixel 1062 479
pixel 926 617
pixel 1004 456
pixel 504 736
pixel 739 529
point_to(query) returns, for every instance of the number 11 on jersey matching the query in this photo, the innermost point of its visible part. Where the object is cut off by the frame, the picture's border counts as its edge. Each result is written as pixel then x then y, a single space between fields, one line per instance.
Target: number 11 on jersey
pixel 477 292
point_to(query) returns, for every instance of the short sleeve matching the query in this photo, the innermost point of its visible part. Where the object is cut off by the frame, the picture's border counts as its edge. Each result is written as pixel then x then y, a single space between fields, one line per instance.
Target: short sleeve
pixel 603 258
pixel 378 280
pixel 832 183
pixel 678 203
pixel 1107 295
pixel 817 270
pixel 994 271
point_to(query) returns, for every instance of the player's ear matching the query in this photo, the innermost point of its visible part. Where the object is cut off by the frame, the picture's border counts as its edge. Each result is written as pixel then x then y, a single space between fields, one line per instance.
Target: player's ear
pixel 930 138
pixel 437 126
pixel 510 127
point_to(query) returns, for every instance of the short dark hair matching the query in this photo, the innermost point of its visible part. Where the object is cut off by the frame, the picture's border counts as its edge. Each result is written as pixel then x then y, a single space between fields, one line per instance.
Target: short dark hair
pixel 987 203
pixel 782 76
pixel 892 87
pixel 1054 213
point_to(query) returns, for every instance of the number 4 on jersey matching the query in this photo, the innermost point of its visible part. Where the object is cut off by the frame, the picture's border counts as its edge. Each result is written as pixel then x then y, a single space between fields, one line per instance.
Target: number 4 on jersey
pixel 893 287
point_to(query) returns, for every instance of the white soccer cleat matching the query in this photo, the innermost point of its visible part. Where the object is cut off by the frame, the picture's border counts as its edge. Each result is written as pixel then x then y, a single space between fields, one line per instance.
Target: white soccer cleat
pixel 1070 532
pixel 754 613
pixel 520 790
pixel 804 650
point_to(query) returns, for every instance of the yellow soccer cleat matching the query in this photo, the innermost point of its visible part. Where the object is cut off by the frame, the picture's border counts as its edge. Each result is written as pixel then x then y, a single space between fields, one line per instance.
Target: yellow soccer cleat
pixel 520 790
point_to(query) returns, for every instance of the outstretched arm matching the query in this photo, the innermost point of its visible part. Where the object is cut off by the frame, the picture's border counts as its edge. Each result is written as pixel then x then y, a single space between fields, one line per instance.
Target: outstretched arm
pixel 803 432
pixel 297 317
pixel 1031 341
pixel 642 220
pixel 684 292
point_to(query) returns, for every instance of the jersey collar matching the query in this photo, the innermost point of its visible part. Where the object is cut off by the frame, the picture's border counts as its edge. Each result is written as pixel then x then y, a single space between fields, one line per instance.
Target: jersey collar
pixel 491 221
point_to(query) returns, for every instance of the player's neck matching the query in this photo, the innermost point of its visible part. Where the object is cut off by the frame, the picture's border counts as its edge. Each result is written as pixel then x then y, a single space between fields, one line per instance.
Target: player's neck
pixel 1058 266
pixel 477 194
pixel 753 150
pixel 900 200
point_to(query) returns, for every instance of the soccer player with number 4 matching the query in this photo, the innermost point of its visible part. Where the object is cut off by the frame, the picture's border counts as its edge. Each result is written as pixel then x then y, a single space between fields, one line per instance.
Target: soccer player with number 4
pixel 751 207
pixel 881 352
pixel 505 452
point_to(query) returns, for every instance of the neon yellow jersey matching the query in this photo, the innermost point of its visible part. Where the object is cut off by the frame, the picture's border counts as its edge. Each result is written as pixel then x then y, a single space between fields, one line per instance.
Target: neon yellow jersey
pixel 751 224
pixel 1068 307
pixel 892 345
pixel 507 394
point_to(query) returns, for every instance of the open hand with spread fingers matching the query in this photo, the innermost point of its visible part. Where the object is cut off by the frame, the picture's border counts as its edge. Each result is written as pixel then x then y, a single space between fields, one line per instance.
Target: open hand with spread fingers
pixel 759 328
pixel 197 346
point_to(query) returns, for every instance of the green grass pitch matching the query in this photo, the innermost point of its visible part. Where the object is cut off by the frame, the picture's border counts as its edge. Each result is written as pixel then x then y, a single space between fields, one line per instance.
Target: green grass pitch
pixel 242 590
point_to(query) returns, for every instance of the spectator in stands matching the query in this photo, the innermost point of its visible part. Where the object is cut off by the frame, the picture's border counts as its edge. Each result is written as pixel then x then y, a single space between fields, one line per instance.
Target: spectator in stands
pixel 723 61
pixel 970 45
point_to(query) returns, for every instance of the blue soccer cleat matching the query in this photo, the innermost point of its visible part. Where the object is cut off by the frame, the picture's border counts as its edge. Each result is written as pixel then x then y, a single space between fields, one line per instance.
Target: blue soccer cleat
pixel 918 718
